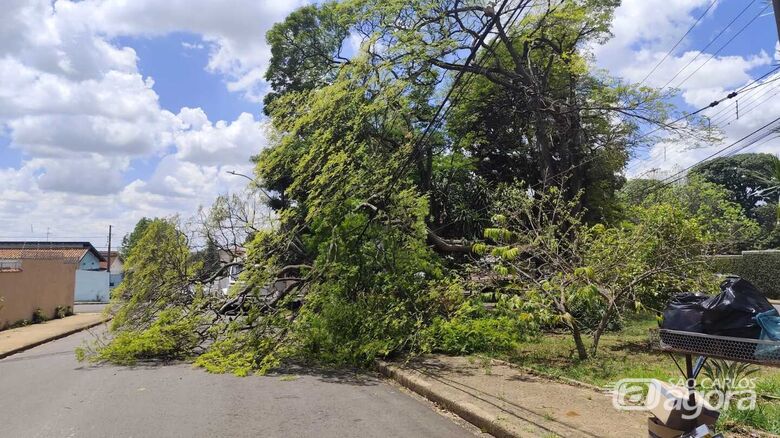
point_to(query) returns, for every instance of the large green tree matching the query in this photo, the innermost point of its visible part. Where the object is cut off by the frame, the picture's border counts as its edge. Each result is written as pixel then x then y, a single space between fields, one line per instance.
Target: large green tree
pixel 380 165
pixel 746 176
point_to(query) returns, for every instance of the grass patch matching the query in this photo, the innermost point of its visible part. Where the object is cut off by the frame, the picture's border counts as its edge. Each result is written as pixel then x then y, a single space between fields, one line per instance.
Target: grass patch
pixel 629 354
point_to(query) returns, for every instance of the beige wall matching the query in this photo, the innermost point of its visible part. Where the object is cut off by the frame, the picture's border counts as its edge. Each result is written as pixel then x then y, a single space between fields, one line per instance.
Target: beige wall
pixel 41 283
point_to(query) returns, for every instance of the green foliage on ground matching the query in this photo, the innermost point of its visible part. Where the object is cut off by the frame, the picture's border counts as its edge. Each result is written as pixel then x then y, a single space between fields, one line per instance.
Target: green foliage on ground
pixel 156 310
pixel 544 253
pixel 171 336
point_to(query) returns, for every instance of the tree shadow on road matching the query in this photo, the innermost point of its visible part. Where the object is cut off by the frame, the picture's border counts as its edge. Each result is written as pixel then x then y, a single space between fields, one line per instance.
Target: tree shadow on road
pixel 341 376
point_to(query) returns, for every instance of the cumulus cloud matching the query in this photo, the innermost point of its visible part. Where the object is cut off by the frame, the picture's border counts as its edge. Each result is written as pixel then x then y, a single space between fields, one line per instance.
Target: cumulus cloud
pixel 233 30
pixel 74 102
pixel 644 30
pixel 228 143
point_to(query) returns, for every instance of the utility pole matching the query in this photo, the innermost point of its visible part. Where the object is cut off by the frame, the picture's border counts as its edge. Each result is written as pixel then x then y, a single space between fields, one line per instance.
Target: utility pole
pixel 108 261
pixel 776 7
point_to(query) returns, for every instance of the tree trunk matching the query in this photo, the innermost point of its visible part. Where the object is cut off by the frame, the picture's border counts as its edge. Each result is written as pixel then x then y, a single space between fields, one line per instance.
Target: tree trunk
pixel 602 327
pixel 582 352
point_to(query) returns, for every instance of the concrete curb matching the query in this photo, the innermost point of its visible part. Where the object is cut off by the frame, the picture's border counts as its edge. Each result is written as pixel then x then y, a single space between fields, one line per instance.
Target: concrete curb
pixel 5 354
pixel 480 418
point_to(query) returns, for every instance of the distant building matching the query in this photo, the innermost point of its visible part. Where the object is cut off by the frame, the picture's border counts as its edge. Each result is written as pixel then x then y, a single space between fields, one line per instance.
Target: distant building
pixel 32 279
pixel 229 277
pixel 117 271
pixel 91 281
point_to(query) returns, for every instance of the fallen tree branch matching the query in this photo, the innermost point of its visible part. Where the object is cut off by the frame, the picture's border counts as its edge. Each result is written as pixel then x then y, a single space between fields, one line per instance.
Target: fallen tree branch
pixel 462 247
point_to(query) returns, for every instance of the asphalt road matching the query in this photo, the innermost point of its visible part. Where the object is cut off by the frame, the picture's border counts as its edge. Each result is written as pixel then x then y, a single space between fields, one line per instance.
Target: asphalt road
pixel 45 392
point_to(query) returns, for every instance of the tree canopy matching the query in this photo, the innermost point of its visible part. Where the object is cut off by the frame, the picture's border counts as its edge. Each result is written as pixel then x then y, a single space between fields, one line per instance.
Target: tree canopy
pixel 744 175
pixel 399 131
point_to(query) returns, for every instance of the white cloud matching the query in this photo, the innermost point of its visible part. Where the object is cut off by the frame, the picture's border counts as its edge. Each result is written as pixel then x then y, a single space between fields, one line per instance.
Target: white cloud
pixel 226 143
pixel 75 104
pixel 644 31
pixel 234 30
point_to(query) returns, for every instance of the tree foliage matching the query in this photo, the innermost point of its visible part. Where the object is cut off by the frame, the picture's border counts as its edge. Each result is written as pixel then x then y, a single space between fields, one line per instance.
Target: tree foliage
pixel 382 169
pixel 726 227
pixel 129 240
pixel 546 254
pixel 744 175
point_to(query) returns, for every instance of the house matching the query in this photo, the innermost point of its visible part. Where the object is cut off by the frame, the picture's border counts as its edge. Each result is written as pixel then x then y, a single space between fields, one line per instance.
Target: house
pixel 91 282
pixel 117 271
pixel 33 280
pixel 229 277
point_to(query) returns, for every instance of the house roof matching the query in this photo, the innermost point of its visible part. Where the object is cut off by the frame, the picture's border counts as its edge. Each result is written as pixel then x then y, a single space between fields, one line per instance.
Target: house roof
pixel 114 256
pixel 71 251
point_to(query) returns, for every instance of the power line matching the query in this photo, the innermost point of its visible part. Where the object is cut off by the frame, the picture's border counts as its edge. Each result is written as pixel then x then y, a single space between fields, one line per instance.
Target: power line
pixel 678 42
pixel 709 43
pixel 742 29
pixel 767 139
pixel 756 105
pixel 681 174
pixel 747 91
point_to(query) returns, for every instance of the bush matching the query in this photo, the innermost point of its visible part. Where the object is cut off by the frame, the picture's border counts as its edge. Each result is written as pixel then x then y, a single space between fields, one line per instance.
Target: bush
pixel 39 316
pixel 468 336
pixel 61 312
pixel 762 268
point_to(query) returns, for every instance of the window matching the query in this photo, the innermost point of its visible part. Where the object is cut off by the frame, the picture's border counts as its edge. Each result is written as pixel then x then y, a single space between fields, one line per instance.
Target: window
pixel 10 265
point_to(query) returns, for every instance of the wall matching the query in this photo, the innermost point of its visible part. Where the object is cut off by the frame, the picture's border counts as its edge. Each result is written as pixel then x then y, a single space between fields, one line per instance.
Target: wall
pixel 762 268
pixel 115 279
pixel 43 284
pixel 89 262
pixel 91 286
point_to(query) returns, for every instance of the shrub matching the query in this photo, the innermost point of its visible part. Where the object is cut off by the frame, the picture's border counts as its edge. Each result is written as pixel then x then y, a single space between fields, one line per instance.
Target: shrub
pixel 61 312
pixel 39 316
pixel 762 268
pixel 468 336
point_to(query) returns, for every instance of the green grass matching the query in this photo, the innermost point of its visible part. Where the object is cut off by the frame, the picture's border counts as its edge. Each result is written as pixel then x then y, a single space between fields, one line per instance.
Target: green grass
pixel 628 354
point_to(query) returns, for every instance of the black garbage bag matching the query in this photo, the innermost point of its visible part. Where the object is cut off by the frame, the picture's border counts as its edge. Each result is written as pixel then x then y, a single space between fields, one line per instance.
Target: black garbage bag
pixel 685 312
pixel 732 311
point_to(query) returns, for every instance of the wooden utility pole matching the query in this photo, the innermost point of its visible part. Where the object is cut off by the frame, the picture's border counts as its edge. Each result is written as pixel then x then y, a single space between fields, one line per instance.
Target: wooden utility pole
pixel 776 7
pixel 108 261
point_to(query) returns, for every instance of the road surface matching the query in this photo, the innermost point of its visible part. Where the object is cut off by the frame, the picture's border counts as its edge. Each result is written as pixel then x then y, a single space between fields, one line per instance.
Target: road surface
pixel 45 392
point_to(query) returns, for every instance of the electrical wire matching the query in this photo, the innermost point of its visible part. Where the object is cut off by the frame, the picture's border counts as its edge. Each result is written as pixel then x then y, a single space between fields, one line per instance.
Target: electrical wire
pixel 708 44
pixel 742 29
pixel 678 42
pixel 681 174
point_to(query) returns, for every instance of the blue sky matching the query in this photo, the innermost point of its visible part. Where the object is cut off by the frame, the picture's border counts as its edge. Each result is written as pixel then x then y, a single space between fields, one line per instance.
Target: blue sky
pixel 113 110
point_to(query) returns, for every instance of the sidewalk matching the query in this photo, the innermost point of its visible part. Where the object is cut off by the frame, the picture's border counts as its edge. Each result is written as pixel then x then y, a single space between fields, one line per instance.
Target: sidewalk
pixel 20 339
pixel 506 402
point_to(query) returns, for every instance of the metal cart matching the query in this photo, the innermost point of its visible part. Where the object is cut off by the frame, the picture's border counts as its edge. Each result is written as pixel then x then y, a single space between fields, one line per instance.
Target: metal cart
pixel 691 344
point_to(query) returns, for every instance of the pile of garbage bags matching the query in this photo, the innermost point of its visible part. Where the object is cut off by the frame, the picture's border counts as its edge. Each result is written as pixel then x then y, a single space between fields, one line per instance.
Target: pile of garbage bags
pixel 739 310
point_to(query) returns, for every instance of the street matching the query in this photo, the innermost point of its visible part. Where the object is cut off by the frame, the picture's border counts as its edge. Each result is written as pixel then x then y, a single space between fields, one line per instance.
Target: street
pixel 47 393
